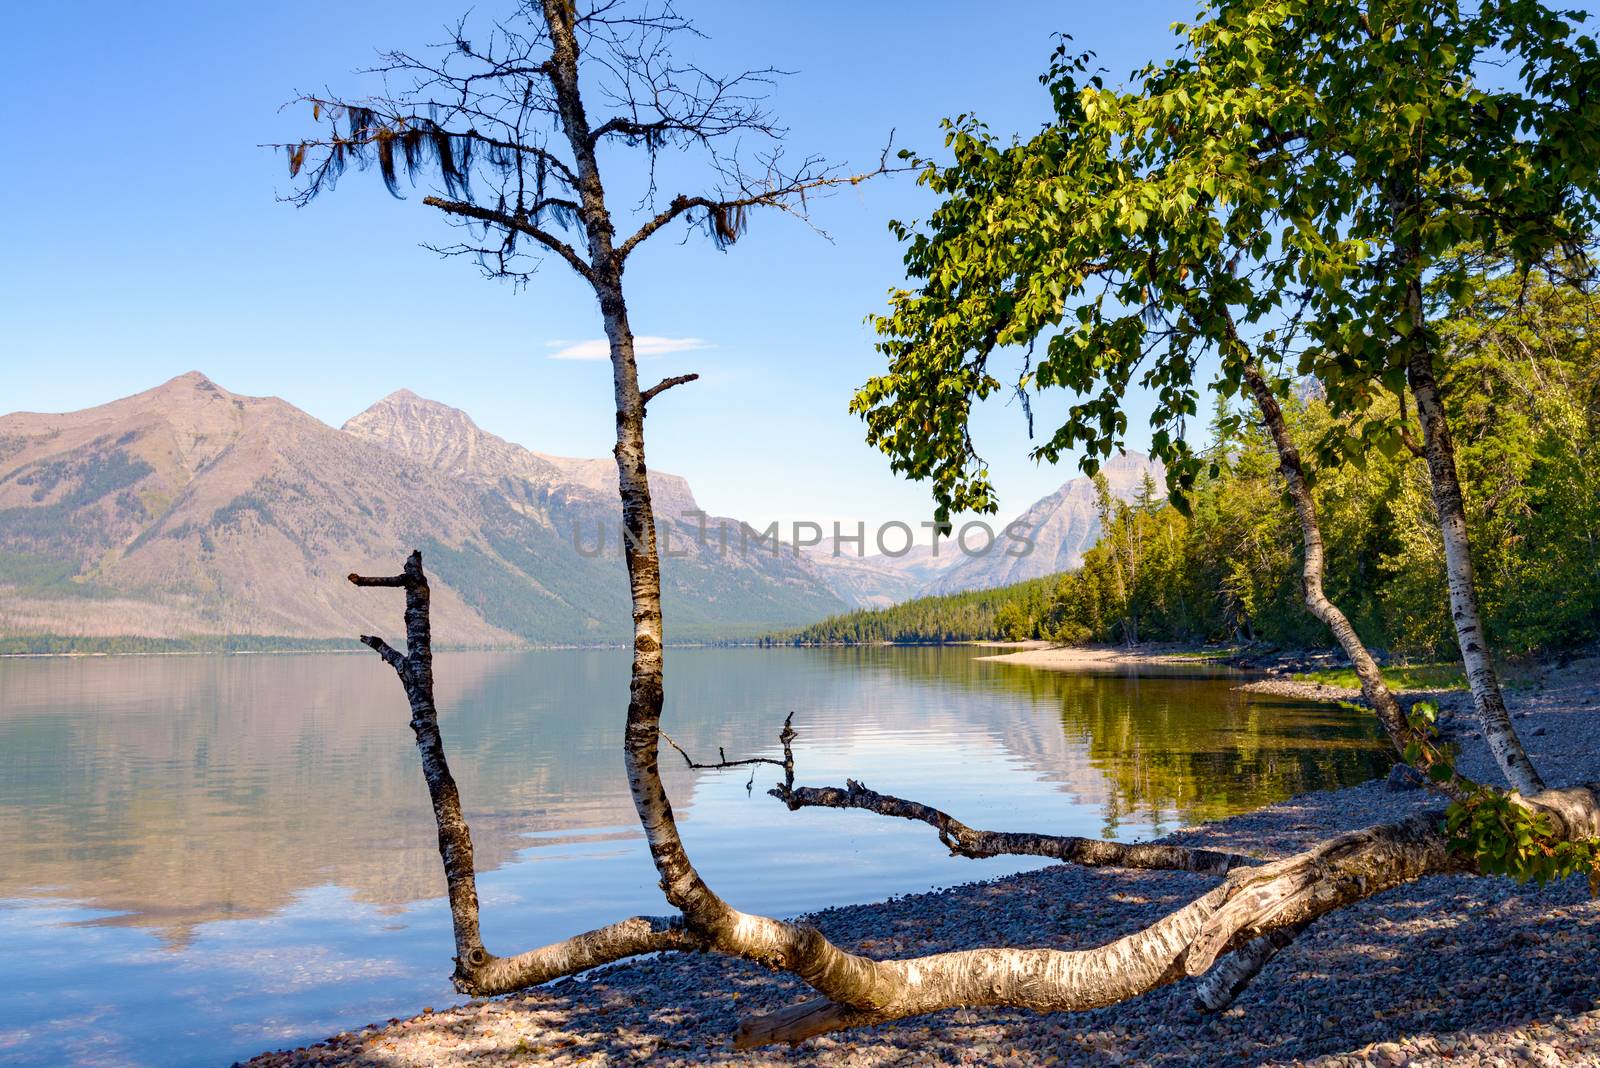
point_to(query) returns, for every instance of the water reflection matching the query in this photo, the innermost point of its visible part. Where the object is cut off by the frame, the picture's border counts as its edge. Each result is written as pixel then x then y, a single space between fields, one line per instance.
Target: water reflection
pixel 205 856
pixel 173 790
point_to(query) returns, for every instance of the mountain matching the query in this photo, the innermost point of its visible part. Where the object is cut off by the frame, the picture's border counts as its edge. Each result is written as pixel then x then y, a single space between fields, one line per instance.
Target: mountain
pixel 188 512
pixel 880 579
pixel 1063 526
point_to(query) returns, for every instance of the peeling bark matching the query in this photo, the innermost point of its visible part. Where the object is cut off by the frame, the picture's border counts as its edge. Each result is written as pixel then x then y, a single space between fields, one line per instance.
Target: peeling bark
pixel 1217 989
pixel 1473 641
pixel 1250 903
pixel 1439 452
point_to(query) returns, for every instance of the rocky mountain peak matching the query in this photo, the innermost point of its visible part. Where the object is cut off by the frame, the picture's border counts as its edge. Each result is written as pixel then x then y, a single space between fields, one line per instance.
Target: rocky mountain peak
pixel 426 430
pixel 446 439
pixel 195 380
pixel 1064 525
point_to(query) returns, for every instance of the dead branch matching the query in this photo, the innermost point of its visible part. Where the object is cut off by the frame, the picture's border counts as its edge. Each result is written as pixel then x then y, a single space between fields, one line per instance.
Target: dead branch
pixel 516 224
pixel 1217 989
pixel 1250 903
pixel 965 841
pixel 724 216
pixel 665 384
pixel 786 736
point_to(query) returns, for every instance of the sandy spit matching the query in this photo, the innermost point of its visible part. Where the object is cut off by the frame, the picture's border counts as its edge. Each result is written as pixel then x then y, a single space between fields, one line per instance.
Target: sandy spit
pixel 1078 657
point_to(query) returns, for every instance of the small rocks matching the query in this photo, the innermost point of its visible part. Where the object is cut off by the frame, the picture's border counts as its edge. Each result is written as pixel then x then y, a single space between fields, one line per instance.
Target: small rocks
pixel 1390 1055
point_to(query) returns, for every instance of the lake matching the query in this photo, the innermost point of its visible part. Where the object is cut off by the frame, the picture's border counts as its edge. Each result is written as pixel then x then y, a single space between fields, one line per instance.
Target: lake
pixel 204 857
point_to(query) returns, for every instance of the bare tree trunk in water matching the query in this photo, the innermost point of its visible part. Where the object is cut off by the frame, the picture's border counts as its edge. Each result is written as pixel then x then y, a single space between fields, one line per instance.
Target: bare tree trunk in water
pixel 477 971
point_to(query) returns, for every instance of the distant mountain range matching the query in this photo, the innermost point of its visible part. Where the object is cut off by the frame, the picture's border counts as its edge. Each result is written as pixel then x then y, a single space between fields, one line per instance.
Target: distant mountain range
pixel 1062 527
pixel 188 513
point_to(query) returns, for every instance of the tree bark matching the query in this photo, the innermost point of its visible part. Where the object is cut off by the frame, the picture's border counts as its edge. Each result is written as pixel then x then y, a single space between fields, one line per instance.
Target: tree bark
pixel 1217 989
pixel 455 839
pixel 1487 695
pixel 1439 450
pixel 703 910
pixel 1250 903
pixel 1373 688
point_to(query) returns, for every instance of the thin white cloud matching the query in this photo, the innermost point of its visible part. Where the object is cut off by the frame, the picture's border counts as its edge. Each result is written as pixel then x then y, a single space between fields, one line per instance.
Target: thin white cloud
pixel 643 345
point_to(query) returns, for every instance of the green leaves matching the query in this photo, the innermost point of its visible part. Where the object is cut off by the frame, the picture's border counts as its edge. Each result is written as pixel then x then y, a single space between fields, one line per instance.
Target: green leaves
pixel 1505 836
pixel 1278 192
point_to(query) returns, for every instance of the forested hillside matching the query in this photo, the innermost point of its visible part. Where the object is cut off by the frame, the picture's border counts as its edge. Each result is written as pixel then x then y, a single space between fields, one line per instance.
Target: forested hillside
pixel 950 617
pixel 1523 380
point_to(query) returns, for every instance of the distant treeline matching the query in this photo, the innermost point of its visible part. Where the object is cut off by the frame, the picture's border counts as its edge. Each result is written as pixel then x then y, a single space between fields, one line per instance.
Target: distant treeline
pixel 38 644
pixel 1523 383
pixel 951 617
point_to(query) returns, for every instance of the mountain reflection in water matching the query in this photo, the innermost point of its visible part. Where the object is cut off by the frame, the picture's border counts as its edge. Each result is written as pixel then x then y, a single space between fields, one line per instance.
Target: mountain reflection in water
pixel 261 799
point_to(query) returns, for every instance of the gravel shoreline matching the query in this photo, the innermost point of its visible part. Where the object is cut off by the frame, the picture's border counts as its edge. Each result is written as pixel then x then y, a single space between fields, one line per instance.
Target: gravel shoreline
pixel 1447 971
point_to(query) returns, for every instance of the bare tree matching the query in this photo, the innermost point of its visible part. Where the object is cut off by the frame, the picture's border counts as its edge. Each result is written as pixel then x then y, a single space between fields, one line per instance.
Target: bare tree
pixel 504 125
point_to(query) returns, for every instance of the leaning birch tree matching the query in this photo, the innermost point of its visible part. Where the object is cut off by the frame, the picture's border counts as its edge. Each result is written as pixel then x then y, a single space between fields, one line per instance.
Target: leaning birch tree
pixel 1107 245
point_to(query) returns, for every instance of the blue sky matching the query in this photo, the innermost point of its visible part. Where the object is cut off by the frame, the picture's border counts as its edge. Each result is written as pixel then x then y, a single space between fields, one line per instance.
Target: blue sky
pixel 143 238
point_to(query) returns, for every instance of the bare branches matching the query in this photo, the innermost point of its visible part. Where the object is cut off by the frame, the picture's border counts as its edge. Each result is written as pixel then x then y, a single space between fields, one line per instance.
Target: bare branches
pixel 489 116
pixel 665 384
pixel 390 580
pixel 786 737
pixel 517 224
pixel 724 216
pixel 722 758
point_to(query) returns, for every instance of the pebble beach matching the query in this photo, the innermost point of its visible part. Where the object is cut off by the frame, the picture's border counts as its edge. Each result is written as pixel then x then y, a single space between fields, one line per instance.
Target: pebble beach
pixel 1458 971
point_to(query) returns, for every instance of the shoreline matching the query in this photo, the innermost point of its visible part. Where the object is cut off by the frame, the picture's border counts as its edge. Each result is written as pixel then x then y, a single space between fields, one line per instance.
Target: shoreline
pixel 1050 657
pixel 1450 970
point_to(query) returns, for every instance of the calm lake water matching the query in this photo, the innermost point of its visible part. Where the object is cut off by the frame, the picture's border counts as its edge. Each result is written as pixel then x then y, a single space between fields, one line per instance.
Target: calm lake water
pixel 204 857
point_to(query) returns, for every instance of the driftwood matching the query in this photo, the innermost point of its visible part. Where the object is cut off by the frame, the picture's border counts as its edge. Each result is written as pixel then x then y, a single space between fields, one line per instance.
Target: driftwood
pixel 964 841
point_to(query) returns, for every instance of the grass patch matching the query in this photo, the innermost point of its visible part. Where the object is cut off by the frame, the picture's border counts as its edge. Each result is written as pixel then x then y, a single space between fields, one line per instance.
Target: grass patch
pixel 1442 675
